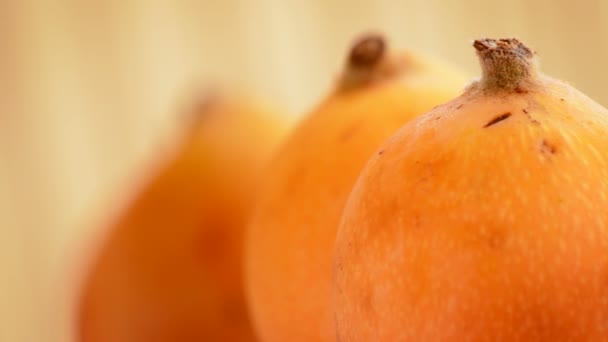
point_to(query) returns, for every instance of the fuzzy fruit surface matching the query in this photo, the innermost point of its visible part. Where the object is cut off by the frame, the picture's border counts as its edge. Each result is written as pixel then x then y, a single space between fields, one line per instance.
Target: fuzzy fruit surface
pixel 170 267
pixel 290 242
pixel 484 219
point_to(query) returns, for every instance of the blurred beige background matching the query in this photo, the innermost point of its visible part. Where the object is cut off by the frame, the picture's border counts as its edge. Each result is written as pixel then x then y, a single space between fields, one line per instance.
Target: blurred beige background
pixel 89 92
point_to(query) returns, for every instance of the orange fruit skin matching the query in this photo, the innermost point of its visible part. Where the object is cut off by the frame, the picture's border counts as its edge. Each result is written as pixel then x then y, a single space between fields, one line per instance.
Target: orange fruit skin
pixel 170 269
pixel 458 230
pixel 289 247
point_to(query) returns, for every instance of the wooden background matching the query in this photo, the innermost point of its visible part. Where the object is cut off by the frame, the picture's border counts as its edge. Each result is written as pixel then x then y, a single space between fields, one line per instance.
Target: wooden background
pixel 88 92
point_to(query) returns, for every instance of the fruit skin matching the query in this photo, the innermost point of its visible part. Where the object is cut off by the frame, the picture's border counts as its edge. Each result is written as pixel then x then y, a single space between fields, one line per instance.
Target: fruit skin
pixel 290 241
pixel 170 269
pixel 465 228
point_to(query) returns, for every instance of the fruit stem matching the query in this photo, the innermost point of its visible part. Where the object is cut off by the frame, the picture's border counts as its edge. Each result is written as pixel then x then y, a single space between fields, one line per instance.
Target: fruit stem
pixel 368 62
pixel 367 51
pixel 507 64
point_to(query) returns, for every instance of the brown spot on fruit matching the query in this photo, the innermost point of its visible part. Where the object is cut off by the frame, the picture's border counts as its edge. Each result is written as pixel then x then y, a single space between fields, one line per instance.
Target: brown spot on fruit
pixel 213 243
pixel 496 239
pixel 534 121
pixel 497 119
pixel 349 132
pixel 547 148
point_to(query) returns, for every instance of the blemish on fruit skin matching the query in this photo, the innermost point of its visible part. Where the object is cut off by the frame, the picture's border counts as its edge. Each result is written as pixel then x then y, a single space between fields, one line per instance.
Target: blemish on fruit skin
pixel 527 113
pixel 339 266
pixel 497 119
pixel 520 91
pixel 212 243
pixel 380 152
pixel 547 148
pixel 459 106
pixel 349 132
pixel 496 240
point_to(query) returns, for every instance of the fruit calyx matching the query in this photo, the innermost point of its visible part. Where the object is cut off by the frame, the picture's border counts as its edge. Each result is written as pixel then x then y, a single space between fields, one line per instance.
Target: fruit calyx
pixel 507 65
pixel 369 61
